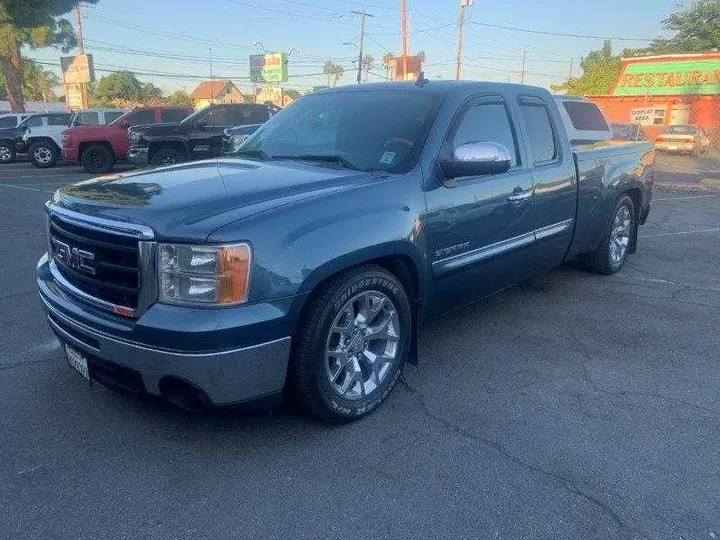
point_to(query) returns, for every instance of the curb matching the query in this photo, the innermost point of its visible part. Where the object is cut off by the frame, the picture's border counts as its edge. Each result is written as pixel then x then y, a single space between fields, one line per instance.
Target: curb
pixel 687 188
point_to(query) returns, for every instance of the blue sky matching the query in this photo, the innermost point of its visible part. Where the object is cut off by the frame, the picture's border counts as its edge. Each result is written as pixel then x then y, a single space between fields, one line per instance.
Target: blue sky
pixel 165 37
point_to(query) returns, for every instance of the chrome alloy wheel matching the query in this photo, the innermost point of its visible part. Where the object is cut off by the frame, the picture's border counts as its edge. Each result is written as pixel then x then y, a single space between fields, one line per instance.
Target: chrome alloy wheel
pixel 42 155
pixel 620 235
pixel 362 345
pixel 5 153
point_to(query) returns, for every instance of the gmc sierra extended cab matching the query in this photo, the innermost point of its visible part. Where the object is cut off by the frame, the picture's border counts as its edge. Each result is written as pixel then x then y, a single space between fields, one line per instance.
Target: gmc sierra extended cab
pixel 308 260
pixel 98 146
pixel 200 135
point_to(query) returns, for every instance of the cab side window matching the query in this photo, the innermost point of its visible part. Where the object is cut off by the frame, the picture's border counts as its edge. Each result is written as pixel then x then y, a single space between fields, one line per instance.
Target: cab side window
pixel 539 129
pixel 486 121
pixel 34 121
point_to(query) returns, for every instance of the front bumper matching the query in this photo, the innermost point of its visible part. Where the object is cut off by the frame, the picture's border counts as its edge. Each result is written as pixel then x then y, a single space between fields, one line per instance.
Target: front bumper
pixel 138 156
pixel 226 376
pixel 675 146
pixel 71 154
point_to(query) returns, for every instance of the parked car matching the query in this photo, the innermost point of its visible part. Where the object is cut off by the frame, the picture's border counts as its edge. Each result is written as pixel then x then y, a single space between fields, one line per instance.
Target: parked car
pixel 685 138
pixel 44 141
pixel 98 147
pixel 310 257
pixel 629 131
pixel 235 137
pixel 200 135
pixel 12 140
pixel 11 120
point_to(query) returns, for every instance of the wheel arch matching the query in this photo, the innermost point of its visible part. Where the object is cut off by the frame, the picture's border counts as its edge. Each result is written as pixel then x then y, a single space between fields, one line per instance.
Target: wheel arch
pixel 636 197
pixel 174 144
pixel 36 140
pixel 84 145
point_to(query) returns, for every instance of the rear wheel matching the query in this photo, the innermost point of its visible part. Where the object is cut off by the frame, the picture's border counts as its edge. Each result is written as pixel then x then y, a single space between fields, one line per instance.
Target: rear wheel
pixel 351 345
pixel 98 159
pixel 7 152
pixel 612 253
pixel 43 154
pixel 167 156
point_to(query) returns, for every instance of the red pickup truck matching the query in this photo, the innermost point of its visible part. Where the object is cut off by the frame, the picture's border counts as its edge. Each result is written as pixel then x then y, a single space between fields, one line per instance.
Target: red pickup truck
pixel 99 147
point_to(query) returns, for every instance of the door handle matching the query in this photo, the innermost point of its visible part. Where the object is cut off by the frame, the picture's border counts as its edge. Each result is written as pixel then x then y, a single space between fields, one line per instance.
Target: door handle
pixel 518 196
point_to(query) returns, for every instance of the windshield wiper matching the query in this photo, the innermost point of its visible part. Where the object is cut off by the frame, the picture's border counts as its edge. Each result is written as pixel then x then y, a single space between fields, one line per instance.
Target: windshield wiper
pixel 252 152
pixel 330 158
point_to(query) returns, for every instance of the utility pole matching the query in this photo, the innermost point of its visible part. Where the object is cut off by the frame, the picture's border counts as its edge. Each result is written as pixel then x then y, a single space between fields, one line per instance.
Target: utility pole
pixel 460 31
pixel 212 80
pixel 77 11
pixel 524 58
pixel 362 41
pixel 405 46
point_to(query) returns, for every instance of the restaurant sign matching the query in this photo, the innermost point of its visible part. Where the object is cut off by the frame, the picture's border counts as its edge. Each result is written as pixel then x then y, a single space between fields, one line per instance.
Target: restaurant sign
pixel 669 78
pixel 268 68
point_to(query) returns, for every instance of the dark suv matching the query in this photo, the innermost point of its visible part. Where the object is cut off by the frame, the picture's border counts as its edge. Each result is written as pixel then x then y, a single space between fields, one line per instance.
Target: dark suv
pixel 198 136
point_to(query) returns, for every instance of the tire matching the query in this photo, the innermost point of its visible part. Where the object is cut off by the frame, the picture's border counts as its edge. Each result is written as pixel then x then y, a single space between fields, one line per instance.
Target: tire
pixel 7 152
pixel 607 259
pixel 98 159
pixel 167 156
pixel 43 154
pixel 316 376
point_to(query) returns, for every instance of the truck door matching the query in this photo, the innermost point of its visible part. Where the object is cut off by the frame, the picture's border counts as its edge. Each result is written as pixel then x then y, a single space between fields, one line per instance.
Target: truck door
pixel 206 140
pixel 479 230
pixel 553 169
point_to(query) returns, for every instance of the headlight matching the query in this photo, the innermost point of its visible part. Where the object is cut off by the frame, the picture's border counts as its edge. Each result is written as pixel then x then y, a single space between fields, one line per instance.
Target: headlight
pixel 204 275
pixel 134 137
pixel 66 139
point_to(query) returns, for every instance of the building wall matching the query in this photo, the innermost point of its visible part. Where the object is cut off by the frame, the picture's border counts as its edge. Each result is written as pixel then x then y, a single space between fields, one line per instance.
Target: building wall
pixel 701 110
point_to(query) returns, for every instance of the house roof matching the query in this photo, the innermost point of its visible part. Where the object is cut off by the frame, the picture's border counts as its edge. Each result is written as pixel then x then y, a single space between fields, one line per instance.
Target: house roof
pixel 209 89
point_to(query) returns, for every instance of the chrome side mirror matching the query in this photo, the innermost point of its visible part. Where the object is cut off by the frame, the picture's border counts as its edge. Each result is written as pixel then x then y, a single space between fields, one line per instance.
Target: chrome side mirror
pixel 477 159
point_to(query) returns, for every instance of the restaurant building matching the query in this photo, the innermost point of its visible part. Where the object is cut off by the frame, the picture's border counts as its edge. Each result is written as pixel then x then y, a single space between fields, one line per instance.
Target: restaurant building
pixel 658 91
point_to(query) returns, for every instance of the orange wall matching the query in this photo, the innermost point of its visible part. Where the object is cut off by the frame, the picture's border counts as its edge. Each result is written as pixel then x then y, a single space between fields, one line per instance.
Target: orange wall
pixel 704 110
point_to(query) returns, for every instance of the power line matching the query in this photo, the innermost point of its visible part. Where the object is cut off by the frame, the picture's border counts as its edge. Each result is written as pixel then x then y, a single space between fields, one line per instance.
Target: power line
pixel 564 34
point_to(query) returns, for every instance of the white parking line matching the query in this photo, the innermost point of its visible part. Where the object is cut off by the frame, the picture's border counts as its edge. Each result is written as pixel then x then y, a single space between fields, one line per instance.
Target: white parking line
pixel 684 198
pixel 26 188
pixel 696 231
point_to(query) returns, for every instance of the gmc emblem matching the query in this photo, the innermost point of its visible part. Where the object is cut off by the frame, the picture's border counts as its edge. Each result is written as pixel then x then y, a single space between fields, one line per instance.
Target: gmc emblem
pixel 73 257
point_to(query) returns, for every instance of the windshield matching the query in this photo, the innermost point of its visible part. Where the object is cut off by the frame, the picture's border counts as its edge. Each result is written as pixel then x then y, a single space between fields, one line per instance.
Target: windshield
pixel 682 129
pixel 380 130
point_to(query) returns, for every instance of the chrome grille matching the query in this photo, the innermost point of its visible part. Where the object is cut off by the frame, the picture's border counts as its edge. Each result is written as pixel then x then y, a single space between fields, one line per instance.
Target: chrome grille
pixel 101 264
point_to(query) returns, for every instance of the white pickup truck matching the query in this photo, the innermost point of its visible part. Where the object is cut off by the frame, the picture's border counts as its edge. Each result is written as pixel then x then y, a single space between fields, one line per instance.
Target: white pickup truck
pixel 42 136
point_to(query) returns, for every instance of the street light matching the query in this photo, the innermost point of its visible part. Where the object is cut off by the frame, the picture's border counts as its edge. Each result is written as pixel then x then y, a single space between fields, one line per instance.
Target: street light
pixel 348 43
pixel 259 45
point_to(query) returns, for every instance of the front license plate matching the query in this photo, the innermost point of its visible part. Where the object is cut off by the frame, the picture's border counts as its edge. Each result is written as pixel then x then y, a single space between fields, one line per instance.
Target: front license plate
pixel 78 362
pixel 672 147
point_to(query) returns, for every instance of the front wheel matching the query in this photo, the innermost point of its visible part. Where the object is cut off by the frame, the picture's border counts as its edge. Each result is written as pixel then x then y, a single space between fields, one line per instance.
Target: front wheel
pixel 43 154
pixel 351 345
pixel 166 156
pixel 7 152
pixel 98 159
pixel 612 253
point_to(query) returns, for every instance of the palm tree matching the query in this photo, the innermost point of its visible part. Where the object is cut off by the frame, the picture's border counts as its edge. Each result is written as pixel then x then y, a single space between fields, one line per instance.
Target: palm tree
pixel 368 63
pixel 333 71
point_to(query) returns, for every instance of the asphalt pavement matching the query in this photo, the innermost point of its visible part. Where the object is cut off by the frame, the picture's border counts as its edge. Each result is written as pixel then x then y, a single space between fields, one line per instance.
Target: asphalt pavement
pixel 574 406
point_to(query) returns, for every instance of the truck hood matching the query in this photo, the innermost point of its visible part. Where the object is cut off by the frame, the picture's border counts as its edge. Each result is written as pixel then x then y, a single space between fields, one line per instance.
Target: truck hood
pixel 189 201
pixel 91 130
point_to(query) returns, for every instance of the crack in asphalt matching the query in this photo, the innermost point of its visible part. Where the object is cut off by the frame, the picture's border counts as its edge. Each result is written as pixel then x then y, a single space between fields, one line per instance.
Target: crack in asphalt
pixel 4 367
pixel 569 485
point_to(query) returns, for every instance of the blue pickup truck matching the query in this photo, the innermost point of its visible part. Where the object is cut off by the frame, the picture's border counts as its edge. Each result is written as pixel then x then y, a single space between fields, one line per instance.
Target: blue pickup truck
pixel 303 265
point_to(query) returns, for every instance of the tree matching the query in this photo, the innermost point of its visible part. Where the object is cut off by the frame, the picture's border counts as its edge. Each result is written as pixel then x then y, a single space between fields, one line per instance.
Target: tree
pixel 696 29
pixel 291 93
pixel 421 56
pixel 122 87
pixel 38 82
pixel 180 97
pixel 368 64
pixel 600 71
pixel 333 71
pixel 33 24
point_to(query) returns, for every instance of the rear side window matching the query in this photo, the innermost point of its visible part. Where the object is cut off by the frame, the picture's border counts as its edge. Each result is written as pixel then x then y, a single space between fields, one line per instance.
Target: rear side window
pixel 486 122
pixel 111 116
pixel 539 131
pixel 259 115
pixel 585 116
pixel 86 118
pixel 174 115
pixel 139 118
pixel 8 122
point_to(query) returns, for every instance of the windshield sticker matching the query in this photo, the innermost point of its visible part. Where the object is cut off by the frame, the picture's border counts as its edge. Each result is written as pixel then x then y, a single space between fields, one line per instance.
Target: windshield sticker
pixel 387 158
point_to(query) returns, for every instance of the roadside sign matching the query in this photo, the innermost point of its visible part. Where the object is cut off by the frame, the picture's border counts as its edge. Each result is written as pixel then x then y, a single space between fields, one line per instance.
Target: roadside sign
pixel 77 69
pixel 268 68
